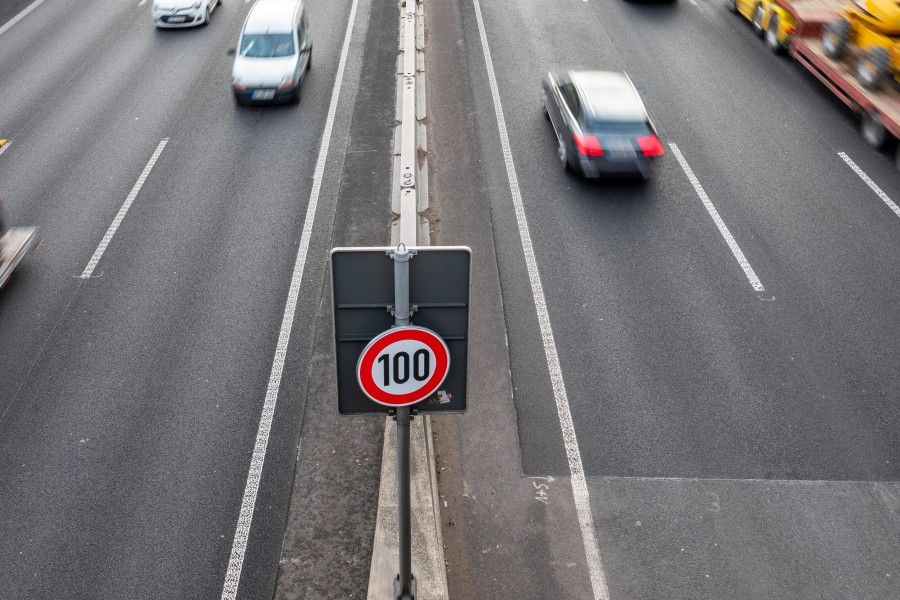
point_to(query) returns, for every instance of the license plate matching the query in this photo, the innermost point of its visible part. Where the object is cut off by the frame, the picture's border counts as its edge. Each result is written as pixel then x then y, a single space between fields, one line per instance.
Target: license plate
pixel 178 19
pixel 262 94
pixel 619 148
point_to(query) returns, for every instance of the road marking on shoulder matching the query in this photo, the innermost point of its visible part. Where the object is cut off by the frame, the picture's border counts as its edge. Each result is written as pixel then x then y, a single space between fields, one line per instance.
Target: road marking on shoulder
pixel 142 2
pixel 579 484
pixel 723 229
pixel 9 24
pixel 248 504
pixel 4 144
pixel 878 191
pixel 123 211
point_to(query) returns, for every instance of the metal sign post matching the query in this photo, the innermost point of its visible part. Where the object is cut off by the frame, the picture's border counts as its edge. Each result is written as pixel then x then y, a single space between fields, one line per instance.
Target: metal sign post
pixel 394 367
pixel 404 586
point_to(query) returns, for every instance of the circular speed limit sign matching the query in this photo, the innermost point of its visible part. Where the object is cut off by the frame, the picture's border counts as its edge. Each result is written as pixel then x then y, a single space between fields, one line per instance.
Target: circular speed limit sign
pixel 403 366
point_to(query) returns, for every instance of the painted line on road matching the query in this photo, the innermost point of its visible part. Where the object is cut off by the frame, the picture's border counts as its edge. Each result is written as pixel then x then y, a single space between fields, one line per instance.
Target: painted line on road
pixel 123 211
pixel 579 484
pixel 736 480
pixel 6 144
pixel 142 2
pixel 723 229
pixel 878 191
pixel 248 504
pixel 20 16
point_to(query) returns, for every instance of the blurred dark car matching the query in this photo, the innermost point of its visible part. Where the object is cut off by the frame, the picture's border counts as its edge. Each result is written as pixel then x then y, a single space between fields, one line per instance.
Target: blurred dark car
pixel 602 127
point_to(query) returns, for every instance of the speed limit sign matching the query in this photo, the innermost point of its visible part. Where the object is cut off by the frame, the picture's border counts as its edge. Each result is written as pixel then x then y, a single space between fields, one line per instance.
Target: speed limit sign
pixel 403 365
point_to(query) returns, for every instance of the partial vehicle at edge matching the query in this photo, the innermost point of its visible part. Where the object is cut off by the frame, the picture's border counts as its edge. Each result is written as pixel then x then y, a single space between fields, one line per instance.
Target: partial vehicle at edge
pixel 182 13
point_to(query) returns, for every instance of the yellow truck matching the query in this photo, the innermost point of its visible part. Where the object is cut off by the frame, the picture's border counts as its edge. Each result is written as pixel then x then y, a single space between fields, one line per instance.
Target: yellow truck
pixel 853 48
pixel 772 20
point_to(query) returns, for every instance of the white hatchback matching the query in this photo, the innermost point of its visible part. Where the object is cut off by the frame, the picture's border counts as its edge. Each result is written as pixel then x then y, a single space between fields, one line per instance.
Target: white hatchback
pixel 183 13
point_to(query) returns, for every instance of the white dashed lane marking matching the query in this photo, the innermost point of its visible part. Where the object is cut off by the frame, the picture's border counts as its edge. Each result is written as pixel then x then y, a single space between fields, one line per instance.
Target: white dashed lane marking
pixel 723 229
pixel 98 254
pixel 20 16
pixel 878 191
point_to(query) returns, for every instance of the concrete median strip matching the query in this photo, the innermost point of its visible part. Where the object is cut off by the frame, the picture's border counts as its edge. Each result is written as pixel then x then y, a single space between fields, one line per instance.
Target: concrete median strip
pixel 427 546
pixel 410 194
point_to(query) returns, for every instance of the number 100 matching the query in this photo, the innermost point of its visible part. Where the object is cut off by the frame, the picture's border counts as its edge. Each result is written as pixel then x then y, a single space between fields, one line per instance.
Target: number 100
pixel 399 374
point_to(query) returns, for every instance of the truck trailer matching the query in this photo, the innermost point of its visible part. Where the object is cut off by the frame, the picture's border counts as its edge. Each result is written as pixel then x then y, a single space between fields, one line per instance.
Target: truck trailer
pixel 847 54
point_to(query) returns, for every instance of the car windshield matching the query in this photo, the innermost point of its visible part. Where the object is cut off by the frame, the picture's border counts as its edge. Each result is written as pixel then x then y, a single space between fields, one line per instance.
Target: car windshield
pixel 266 45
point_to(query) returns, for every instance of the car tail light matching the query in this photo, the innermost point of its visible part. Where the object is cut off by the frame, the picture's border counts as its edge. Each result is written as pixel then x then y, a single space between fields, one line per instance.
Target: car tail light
pixel 650 145
pixel 239 86
pixel 588 144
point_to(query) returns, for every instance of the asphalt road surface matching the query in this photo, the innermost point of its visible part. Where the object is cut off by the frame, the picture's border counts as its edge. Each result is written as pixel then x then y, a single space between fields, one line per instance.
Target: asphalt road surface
pixel 131 399
pixel 737 424
pixel 734 422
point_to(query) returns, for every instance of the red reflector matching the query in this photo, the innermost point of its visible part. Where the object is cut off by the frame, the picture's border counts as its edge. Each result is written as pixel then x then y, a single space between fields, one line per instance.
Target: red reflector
pixel 650 145
pixel 588 144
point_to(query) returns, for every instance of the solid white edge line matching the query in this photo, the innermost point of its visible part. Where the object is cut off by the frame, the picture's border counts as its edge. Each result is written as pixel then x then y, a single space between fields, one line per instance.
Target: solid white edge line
pixel 9 24
pixel 862 175
pixel 245 517
pixel 579 484
pixel 98 254
pixel 723 229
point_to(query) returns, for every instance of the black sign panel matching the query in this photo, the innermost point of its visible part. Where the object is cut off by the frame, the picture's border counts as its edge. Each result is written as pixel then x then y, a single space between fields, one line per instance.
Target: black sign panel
pixel 362 282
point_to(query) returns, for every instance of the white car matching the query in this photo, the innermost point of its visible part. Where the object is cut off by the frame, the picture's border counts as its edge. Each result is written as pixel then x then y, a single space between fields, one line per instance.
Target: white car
pixel 183 13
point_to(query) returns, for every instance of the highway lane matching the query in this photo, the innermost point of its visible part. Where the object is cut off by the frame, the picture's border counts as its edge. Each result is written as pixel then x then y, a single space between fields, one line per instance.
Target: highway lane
pixel 136 394
pixel 736 441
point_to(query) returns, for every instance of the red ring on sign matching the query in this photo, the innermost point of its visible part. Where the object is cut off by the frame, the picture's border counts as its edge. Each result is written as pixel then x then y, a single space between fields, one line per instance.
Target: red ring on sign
pixel 419 334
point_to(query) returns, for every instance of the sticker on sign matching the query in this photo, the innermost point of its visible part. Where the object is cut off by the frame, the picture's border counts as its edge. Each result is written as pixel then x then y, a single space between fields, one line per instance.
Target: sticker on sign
pixel 403 365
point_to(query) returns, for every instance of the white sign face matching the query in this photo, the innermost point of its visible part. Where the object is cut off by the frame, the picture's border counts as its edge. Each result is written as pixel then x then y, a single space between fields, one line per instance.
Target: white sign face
pixel 403 366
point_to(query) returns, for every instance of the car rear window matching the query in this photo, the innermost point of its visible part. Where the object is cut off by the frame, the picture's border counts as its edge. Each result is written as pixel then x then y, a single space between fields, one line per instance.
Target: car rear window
pixel 266 45
pixel 610 126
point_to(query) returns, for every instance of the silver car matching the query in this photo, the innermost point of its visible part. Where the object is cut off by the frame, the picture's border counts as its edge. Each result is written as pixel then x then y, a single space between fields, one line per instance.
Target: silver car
pixel 274 53
pixel 182 13
pixel 601 125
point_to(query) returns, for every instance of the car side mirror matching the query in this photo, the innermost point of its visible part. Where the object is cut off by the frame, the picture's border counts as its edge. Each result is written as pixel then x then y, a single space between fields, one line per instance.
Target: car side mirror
pixel 232 51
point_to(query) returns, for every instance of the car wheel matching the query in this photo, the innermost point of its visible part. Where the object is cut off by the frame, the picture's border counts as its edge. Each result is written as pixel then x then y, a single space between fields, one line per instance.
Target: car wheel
pixel 759 13
pixel 731 5
pixel 772 40
pixel 834 37
pixel 873 67
pixel 873 130
pixel 544 104
pixel 309 60
pixel 563 154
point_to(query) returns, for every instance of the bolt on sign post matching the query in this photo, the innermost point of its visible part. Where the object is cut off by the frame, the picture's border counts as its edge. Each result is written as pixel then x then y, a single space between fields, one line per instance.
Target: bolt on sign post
pixel 399 366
